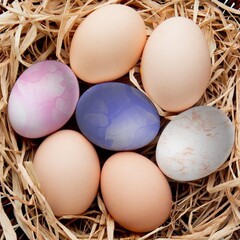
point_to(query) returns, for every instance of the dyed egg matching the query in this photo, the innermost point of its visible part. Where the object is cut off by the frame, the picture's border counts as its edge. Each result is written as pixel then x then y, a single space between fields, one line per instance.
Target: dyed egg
pixel 107 44
pixel 176 64
pixel 135 192
pixel 117 116
pixel 195 143
pixel 67 168
pixel 43 99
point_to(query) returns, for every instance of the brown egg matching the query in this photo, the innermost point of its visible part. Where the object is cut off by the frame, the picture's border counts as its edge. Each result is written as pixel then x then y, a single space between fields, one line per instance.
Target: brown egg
pixel 68 170
pixel 107 44
pixel 176 64
pixel 135 192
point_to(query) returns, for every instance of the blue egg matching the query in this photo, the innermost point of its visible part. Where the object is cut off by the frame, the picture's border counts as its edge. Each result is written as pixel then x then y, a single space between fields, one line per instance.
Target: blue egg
pixel 117 116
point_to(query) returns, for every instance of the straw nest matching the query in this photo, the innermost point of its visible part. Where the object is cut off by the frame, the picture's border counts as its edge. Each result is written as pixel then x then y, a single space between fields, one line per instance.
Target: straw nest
pixel 36 30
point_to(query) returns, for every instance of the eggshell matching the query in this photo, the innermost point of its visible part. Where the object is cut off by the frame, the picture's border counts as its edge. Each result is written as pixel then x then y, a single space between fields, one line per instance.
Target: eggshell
pixel 68 170
pixel 107 44
pixel 176 64
pixel 117 116
pixel 43 99
pixel 135 192
pixel 195 143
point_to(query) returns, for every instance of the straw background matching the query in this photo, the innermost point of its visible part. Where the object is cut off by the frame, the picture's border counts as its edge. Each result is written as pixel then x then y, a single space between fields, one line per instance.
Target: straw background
pixel 35 30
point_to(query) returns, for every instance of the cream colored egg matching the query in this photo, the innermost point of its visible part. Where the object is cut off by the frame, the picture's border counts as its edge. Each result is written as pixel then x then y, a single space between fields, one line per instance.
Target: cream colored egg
pixel 176 64
pixel 195 143
pixel 68 170
pixel 107 44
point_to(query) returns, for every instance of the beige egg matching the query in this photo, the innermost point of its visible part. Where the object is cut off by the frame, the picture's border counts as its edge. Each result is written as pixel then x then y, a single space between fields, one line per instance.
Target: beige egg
pixel 68 170
pixel 135 192
pixel 107 44
pixel 176 65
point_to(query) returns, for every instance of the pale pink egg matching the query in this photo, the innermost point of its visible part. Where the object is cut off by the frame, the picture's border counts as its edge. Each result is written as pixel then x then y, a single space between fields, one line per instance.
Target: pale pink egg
pixel 43 99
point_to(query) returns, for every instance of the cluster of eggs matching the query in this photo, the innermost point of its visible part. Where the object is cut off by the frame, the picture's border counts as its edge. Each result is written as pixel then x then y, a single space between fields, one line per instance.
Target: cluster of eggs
pixel 175 72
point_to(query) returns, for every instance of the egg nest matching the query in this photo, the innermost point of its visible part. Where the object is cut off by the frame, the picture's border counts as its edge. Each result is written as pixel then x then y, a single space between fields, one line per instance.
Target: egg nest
pixel 31 31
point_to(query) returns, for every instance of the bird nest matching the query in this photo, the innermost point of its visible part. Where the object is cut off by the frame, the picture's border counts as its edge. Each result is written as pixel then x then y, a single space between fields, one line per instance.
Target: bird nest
pixel 32 31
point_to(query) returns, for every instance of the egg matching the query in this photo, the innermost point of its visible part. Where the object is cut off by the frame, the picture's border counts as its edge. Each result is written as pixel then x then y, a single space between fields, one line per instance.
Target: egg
pixel 107 43
pixel 43 99
pixel 176 66
pixel 67 168
pixel 117 116
pixel 135 192
pixel 195 143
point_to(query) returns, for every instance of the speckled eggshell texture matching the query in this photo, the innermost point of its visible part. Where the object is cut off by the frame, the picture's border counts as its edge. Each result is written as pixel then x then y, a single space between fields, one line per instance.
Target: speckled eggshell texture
pixel 117 116
pixel 195 143
pixel 43 99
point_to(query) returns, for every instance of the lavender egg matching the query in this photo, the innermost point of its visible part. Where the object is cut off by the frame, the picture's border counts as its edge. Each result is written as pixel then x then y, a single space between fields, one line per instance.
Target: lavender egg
pixel 117 116
pixel 43 99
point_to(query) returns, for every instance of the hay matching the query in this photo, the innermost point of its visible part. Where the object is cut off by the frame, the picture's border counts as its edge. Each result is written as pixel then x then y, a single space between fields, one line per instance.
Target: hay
pixel 36 30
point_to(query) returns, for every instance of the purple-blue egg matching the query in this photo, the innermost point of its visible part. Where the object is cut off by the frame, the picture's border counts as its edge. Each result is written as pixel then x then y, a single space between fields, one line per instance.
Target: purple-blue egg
pixel 117 116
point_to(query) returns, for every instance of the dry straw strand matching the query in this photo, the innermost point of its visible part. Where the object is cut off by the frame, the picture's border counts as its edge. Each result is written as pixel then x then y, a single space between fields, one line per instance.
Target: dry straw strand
pixel 32 31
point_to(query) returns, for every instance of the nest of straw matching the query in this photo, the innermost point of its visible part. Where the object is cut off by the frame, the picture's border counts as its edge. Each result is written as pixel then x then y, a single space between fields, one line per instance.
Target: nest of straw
pixel 31 31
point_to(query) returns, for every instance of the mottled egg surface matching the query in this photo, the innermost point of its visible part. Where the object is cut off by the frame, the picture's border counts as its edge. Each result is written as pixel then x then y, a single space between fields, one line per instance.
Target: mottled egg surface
pixel 43 99
pixel 195 143
pixel 117 116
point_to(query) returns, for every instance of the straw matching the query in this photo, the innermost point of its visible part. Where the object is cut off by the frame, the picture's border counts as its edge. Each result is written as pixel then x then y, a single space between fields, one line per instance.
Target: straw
pixel 37 30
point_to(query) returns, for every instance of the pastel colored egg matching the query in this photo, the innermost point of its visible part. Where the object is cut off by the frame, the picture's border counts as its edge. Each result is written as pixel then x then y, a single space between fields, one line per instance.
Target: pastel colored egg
pixel 195 143
pixel 117 116
pixel 43 99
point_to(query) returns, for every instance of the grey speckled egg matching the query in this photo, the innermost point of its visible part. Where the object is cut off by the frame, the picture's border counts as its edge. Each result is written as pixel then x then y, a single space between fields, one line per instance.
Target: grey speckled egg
pixel 195 143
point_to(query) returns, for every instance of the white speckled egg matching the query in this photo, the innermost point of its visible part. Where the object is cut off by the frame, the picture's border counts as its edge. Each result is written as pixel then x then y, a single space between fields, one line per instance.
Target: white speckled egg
pixel 195 143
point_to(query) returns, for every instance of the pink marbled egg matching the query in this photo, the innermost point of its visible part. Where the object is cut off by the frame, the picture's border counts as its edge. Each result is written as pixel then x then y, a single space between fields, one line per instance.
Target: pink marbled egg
pixel 43 99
